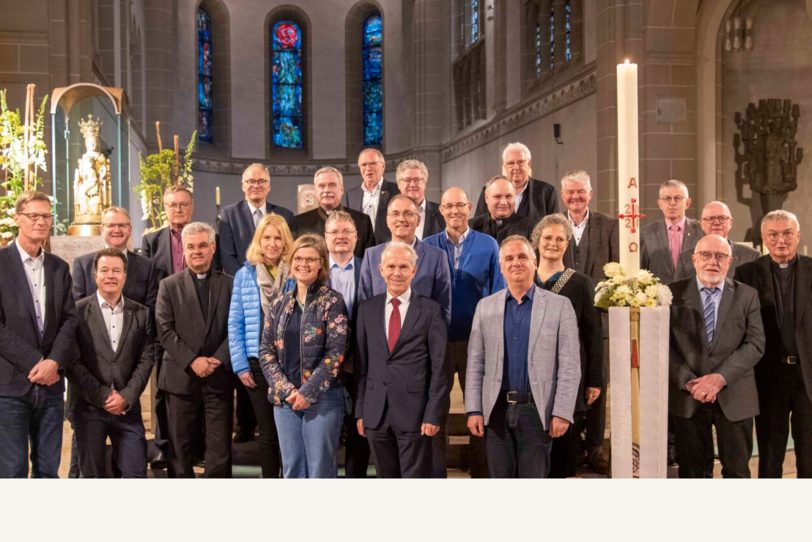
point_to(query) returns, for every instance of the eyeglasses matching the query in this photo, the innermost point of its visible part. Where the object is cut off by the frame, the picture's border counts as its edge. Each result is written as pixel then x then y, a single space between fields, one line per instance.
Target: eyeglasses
pixel 514 163
pixel 117 225
pixel 304 259
pixel 255 182
pixel 672 199
pixel 721 219
pixel 178 205
pixel 706 256
pixel 408 215
pixel 344 233
pixel 785 235
pixel 36 217
pixel 457 206
pixel 412 180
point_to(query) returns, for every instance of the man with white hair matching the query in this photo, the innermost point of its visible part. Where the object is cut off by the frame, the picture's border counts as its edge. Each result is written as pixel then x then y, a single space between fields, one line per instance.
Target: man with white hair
pixel 783 279
pixel 534 198
pixel 371 197
pixel 329 184
pixel 717 219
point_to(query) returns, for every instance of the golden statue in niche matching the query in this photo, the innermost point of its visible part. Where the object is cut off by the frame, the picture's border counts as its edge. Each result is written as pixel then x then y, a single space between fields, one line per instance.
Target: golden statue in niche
pixel 92 187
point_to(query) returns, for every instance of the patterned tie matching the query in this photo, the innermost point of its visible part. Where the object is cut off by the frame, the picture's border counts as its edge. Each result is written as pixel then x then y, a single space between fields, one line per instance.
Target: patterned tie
pixel 394 324
pixel 257 217
pixel 673 243
pixel 708 312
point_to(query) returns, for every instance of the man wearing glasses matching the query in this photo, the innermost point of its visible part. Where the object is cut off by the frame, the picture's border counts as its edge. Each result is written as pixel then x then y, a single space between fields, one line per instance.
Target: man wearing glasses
pixel 372 196
pixel 663 241
pixel 716 219
pixel 412 176
pixel 37 337
pixel 718 341
pixel 164 246
pixel 783 279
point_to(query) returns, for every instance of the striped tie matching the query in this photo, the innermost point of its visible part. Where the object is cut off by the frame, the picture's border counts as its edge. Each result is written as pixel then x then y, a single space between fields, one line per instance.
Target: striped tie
pixel 708 312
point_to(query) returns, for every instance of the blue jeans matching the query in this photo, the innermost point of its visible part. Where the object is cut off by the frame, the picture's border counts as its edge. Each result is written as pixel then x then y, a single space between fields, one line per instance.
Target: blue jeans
pixel 308 439
pixel 36 416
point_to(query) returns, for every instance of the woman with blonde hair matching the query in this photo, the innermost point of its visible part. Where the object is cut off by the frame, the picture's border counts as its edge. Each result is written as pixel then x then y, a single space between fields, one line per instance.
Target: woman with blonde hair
pixel 257 284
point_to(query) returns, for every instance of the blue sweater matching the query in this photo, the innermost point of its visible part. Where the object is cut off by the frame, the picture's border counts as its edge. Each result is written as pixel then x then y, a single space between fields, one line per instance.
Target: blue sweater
pixel 478 276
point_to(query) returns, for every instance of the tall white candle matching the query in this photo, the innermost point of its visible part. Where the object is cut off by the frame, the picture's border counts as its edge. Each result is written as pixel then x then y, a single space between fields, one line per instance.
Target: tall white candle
pixel 628 167
pixel 217 195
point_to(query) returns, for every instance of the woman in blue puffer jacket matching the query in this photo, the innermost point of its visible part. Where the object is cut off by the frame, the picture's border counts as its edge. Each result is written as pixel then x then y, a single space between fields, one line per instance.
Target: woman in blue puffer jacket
pixel 257 284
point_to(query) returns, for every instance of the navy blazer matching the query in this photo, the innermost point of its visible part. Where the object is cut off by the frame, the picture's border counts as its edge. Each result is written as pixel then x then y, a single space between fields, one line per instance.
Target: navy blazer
pixel 354 199
pixel 412 379
pixel 433 278
pixel 21 346
pixel 236 231
pixel 141 285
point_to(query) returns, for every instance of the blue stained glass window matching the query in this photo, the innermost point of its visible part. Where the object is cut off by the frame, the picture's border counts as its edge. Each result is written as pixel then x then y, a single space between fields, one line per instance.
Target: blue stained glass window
pixel 537 43
pixel 286 85
pixel 567 31
pixel 474 20
pixel 205 103
pixel 373 80
pixel 552 38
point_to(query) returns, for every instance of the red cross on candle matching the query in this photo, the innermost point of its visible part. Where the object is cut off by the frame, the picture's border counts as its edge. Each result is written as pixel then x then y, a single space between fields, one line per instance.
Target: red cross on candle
pixel 633 214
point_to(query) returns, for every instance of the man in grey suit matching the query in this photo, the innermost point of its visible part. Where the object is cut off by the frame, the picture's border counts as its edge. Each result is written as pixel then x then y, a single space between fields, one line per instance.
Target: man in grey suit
pixel 116 354
pixel 524 368
pixel 662 242
pixel 371 197
pixel 192 316
pixel 718 341
pixel 717 220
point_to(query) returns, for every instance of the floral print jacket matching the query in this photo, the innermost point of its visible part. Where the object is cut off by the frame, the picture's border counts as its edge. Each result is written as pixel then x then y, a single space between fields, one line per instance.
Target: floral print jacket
pixel 322 343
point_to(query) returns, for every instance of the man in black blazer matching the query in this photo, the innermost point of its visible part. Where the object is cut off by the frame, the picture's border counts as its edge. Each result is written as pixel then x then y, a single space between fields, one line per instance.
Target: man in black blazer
pixel 192 317
pixel 716 340
pixel 401 370
pixel 239 220
pixel 783 279
pixel 329 184
pixel 164 246
pixel 37 341
pixel 412 176
pixel 116 354
pixel 371 197
pixel 345 278
pixel 534 199
pixel 500 220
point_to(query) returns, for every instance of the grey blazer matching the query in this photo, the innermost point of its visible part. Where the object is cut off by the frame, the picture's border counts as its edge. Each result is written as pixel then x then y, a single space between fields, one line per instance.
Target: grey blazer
pixel 554 356
pixel 741 254
pixel 604 246
pixel 654 253
pixel 738 344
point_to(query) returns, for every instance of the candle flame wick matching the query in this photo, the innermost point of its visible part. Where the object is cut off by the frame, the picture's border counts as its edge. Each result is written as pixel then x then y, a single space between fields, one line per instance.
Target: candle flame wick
pixel 626 61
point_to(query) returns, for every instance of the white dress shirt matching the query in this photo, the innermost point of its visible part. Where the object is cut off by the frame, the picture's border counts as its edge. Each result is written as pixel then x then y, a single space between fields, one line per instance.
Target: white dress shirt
pixel 578 229
pixel 35 273
pixel 113 319
pixel 371 200
pixel 405 298
pixel 422 211
pixel 517 199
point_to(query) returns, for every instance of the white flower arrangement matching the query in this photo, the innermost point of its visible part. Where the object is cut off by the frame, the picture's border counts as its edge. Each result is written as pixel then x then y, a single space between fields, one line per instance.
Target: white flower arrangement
pixel 639 290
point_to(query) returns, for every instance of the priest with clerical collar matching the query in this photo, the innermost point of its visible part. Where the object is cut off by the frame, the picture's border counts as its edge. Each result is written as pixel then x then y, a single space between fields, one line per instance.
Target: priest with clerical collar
pixel 501 219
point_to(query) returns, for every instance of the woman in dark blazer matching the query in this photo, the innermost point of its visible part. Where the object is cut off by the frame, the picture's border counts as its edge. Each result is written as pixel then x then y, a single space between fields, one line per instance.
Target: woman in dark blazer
pixel 551 237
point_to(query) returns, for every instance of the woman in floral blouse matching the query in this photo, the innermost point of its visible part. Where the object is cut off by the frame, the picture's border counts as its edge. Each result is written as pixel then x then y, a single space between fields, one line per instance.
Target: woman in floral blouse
pixel 304 340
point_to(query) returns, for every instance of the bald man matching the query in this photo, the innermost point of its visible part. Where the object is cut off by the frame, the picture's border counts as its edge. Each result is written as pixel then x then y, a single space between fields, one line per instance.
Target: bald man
pixel 501 220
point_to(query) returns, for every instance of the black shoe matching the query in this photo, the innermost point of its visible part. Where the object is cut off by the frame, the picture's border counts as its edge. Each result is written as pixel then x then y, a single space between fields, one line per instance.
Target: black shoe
pixel 158 461
pixel 243 436
pixel 598 463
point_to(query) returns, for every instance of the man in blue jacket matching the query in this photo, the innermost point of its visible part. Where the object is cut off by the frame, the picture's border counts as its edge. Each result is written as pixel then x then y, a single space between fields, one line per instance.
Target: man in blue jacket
pixel 473 259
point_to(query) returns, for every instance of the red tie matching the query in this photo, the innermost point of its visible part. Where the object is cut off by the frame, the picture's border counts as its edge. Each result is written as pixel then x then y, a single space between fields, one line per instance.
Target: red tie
pixel 394 324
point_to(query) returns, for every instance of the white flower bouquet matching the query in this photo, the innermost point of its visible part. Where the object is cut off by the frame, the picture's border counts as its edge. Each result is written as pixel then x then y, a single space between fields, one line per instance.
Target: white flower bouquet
pixel 639 290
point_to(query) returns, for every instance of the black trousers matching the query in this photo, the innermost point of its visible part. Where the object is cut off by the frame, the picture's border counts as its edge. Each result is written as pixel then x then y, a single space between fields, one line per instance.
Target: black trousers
pixel 399 454
pixel 784 404
pixel 93 426
pixel 516 442
pixel 270 459
pixel 566 449
pixel 356 447
pixel 246 416
pixel 694 441
pixel 182 413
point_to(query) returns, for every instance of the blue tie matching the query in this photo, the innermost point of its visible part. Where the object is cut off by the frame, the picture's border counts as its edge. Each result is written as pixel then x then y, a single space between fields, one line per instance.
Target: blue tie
pixel 708 312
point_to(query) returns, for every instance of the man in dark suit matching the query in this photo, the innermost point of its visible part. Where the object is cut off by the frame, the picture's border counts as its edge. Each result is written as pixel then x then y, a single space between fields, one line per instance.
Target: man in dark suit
pixel 501 221
pixel 164 246
pixel 239 220
pixel 37 338
pixel 412 176
pixel 192 317
pixel 403 382
pixel 716 219
pixel 534 199
pixel 345 278
pixel 716 341
pixel 329 184
pixel 595 242
pixel 371 197
pixel 661 242
pixel 783 279
pixel 433 278
pixel 116 354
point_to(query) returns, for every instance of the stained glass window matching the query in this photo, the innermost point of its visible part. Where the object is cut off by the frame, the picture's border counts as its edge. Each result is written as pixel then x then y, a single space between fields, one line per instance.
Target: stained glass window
pixel 537 43
pixel 204 77
pixel 474 20
pixel 286 84
pixel 567 31
pixel 552 38
pixel 373 80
